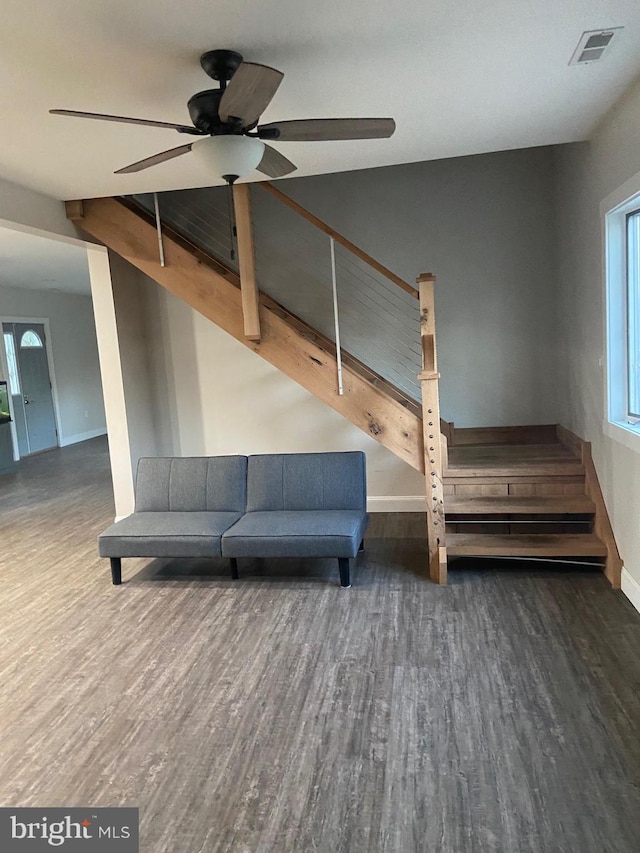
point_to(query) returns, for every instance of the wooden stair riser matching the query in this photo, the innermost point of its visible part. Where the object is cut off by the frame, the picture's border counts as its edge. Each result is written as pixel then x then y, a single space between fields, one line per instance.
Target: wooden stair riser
pixel 462 488
pixel 520 435
pixel 217 297
pixel 529 545
pixel 519 525
pixel 548 505
pixel 513 513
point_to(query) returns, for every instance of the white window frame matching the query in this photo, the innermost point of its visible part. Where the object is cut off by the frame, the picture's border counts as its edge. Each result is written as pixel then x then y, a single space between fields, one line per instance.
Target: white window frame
pixel 618 424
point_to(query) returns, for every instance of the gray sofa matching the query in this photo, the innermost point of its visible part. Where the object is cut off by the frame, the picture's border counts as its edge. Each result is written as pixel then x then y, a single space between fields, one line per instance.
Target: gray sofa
pixel 276 505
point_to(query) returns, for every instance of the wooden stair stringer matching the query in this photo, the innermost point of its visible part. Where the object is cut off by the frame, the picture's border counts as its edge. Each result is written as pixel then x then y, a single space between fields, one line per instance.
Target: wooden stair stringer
pixel 291 347
pixel 602 523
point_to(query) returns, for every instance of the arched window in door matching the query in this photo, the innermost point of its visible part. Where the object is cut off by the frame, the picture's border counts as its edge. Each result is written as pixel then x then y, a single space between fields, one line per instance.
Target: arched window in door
pixel 30 339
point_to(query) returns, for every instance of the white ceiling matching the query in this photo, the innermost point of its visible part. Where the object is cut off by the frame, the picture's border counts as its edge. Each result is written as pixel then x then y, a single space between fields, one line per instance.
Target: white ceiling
pixel 38 263
pixel 458 77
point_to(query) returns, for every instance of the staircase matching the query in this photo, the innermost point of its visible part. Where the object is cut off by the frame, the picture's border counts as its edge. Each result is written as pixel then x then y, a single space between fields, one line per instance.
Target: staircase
pixel 518 492
pixel 369 401
pixel 525 493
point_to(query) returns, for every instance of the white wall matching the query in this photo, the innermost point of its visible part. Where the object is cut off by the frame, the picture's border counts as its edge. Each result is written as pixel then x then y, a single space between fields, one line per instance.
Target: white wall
pixel 484 226
pixel 212 395
pixel 75 355
pixel 118 291
pixel 33 211
pixel 586 174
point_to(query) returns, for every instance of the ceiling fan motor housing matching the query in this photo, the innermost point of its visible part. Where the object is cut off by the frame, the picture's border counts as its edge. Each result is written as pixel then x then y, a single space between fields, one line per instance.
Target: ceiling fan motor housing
pixel 203 109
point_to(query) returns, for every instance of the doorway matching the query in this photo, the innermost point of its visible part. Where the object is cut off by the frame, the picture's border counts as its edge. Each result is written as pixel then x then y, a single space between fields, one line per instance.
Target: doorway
pixel 30 386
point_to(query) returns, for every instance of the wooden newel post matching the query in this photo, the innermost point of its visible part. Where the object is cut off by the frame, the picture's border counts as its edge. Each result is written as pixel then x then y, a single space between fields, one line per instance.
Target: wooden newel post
pixel 246 262
pixel 433 456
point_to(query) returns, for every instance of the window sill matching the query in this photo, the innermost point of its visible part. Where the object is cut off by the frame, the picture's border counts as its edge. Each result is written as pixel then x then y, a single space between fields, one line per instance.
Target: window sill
pixel 623 433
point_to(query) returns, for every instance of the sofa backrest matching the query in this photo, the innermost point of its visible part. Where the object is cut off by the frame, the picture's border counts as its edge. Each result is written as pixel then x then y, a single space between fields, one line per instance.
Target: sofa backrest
pixel 191 484
pixel 300 481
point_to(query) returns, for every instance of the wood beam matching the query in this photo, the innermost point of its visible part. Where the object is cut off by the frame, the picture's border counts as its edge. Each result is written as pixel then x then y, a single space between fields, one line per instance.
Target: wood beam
pixel 246 258
pixel 433 443
pixel 74 209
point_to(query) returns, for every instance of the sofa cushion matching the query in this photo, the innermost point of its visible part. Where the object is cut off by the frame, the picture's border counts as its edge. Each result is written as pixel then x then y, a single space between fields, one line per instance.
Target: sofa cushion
pixel 317 533
pixel 191 484
pixel 167 534
pixel 304 481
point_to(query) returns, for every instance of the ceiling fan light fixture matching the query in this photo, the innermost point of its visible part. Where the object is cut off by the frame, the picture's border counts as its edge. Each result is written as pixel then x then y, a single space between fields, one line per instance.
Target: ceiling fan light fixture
pixel 224 117
pixel 230 157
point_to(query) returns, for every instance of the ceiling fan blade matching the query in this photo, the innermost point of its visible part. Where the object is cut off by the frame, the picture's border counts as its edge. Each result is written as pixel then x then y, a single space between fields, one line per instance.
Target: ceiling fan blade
pixel 182 128
pixel 155 159
pixel 249 93
pixel 274 164
pixel 318 129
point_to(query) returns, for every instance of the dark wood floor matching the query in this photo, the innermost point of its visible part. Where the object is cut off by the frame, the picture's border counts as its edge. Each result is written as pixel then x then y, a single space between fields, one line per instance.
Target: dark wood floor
pixel 282 713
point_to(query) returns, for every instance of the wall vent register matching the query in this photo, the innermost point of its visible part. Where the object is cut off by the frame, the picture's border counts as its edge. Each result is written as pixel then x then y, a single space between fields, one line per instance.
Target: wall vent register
pixel 592 45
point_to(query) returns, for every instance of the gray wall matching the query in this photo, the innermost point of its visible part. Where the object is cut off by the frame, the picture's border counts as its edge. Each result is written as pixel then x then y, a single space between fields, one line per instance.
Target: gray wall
pixel 75 355
pixel 586 174
pixel 484 226
pixel 131 317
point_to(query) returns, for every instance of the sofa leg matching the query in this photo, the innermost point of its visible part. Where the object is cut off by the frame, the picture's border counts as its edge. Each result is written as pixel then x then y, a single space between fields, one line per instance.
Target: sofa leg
pixel 343 564
pixel 234 568
pixel 116 570
pixel 361 546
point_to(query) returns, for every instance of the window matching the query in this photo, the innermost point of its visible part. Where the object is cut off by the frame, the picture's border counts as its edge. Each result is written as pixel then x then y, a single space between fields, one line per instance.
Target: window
pixel 633 315
pixel 12 364
pixel 30 339
pixel 621 222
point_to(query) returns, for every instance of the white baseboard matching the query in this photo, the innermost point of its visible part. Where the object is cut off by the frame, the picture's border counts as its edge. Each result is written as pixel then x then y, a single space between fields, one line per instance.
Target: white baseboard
pixel 631 588
pixel 82 436
pixel 397 503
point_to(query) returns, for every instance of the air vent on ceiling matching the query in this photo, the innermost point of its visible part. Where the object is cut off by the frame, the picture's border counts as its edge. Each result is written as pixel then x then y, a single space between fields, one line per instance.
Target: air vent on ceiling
pixel 592 45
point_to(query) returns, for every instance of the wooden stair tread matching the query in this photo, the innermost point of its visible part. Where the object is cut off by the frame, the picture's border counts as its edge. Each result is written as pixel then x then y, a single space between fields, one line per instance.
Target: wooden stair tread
pixel 523 468
pixel 508 451
pixel 525 545
pixel 514 504
pixel 516 460
pixel 512 472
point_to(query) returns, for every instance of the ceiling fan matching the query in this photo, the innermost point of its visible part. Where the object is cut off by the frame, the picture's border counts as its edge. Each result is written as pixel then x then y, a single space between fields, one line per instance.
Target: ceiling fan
pixel 228 117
